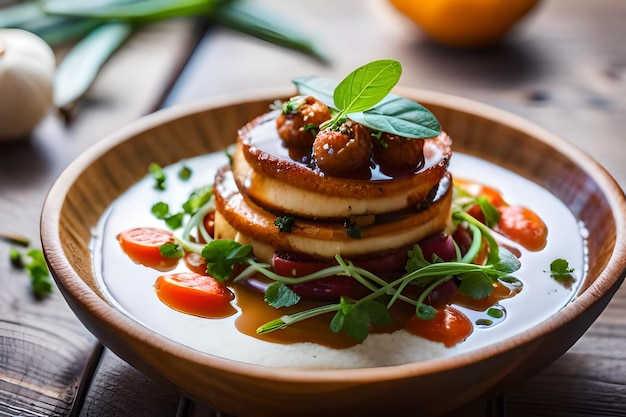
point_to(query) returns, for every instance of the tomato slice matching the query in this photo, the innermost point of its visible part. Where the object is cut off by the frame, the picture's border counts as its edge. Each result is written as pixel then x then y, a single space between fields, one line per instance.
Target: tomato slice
pixel 196 263
pixel 195 294
pixel 141 245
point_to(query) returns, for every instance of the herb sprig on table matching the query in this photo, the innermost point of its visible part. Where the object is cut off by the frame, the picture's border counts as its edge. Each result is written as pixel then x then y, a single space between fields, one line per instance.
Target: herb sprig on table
pixel 32 261
pixel 98 29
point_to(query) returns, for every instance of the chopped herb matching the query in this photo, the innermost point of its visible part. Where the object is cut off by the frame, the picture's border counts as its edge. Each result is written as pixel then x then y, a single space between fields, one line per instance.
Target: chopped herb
pixel 174 221
pixel 184 173
pixel 160 210
pixel 197 199
pixel 280 295
pixel 285 223
pixel 159 176
pixel 561 271
pixel 496 313
pixel 34 263
pixel 353 231
pixel 292 106
pixel 171 250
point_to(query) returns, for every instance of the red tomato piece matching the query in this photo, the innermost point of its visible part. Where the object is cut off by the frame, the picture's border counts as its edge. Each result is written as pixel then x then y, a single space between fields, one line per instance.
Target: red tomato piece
pixel 141 245
pixel 196 263
pixel 195 294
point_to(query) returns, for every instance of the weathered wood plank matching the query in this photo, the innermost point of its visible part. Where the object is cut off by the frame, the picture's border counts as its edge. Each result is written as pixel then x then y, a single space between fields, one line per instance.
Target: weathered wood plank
pixel 43 347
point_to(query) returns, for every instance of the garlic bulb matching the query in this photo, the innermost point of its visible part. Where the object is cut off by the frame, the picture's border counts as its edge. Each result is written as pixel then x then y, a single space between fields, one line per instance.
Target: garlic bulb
pixel 27 66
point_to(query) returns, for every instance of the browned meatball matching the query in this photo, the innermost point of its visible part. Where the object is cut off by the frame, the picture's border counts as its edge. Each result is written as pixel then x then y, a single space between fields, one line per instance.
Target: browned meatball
pixel 345 151
pixel 300 119
pixel 397 150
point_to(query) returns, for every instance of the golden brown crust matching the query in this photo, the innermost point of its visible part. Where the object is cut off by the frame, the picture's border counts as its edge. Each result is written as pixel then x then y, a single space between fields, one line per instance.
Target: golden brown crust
pixel 437 153
pixel 325 239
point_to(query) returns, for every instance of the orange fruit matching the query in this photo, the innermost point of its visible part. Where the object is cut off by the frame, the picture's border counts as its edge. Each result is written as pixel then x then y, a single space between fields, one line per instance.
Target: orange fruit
pixel 465 23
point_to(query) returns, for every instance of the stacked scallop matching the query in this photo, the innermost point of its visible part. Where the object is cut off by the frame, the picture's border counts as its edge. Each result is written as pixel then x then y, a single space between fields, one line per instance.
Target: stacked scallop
pixel 344 189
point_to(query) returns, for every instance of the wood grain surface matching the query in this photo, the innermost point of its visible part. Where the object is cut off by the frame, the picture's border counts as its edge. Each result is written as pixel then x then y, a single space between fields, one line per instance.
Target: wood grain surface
pixel 564 68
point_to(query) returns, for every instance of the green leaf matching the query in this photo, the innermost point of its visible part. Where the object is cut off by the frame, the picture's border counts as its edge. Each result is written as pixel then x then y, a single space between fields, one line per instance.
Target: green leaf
pixel 477 285
pixel 491 213
pixel 319 87
pixel 508 262
pixel 221 256
pixel 245 18
pixel 171 250
pixel 138 11
pixel 160 210
pixel 197 199
pixel 416 259
pixel 280 295
pixel 79 68
pixel 159 176
pixel 561 271
pixel 367 85
pixel 355 319
pixel 185 173
pixel 174 221
pixel 400 116
pixel 35 266
pixel 376 312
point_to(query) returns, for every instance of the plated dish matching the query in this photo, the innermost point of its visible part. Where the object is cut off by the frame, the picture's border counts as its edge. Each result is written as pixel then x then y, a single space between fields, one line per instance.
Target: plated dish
pixel 571 188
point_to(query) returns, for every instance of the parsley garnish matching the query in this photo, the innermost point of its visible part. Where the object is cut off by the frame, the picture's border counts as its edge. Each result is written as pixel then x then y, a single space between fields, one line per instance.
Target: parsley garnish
pixel 222 255
pixel 34 263
pixel 353 231
pixel 184 173
pixel 280 295
pixel 159 176
pixel 285 223
pixel 171 250
pixel 561 271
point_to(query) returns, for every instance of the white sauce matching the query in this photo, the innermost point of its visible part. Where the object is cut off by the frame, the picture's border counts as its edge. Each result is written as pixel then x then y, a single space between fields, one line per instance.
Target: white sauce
pixel 129 287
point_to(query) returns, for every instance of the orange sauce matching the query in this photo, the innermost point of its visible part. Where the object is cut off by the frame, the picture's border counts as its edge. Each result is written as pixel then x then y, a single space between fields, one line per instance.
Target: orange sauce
pixel 449 326
pixel 518 223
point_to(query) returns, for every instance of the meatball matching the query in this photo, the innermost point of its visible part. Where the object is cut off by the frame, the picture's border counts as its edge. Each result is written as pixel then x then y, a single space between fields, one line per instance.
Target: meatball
pixel 399 151
pixel 300 119
pixel 345 151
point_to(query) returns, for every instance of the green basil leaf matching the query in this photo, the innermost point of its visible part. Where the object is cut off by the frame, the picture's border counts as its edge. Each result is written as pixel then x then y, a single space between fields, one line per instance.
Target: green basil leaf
pixel 319 87
pixel 83 62
pixel 366 86
pixel 400 116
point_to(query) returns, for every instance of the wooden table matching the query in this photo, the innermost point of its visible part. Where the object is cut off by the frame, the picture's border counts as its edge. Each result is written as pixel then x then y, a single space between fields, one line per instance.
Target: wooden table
pixel 564 69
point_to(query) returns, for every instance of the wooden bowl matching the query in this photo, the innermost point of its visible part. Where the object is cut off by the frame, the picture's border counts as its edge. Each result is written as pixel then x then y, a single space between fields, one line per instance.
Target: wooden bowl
pixel 88 186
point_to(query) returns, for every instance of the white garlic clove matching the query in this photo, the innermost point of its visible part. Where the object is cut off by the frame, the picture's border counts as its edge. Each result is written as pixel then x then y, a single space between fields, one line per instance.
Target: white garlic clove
pixel 27 67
